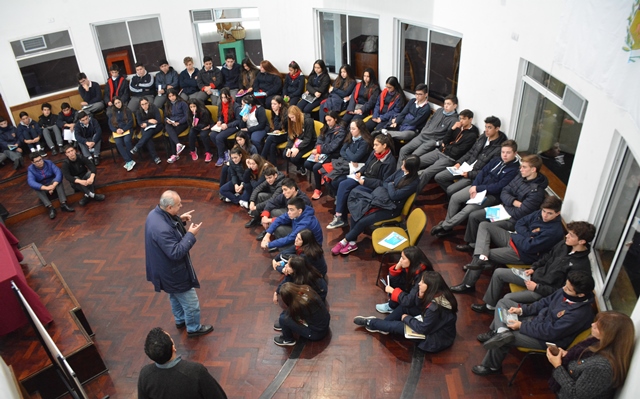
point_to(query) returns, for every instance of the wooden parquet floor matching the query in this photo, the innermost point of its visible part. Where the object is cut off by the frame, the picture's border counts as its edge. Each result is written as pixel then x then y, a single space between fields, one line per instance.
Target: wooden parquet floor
pixel 99 250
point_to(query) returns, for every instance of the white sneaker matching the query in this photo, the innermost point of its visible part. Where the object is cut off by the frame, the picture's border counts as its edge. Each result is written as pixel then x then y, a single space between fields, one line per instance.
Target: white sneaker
pixel 129 165
pixel 384 308
pixel 179 148
pixel 335 223
pixel 244 204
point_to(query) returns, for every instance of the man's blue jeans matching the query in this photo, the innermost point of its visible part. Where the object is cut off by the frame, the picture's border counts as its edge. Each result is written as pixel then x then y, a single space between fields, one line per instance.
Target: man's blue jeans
pixel 186 309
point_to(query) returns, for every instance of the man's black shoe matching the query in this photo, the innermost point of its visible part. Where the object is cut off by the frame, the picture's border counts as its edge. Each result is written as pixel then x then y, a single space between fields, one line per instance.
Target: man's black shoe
pixel 84 201
pixel 444 233
pixel 484 337
pixel 180 326
pixel 481 308
pixel 436 229
pixel 204 329
pixel 462 289
pixel 479 265
pixel 52 213
pixel 98 197
pixel 53 151
pixel 481 370
pixel 255 221
pixel 499 340
pixel 261 235
pixel 67 208
pixel 96 161
pixel 464 248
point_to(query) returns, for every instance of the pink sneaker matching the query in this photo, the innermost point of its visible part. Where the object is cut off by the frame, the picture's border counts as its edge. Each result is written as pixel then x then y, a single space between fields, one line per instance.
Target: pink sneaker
pixel 208 157
pixel 316 194
pixel 337 249
pixel 194 155
pixel 347 249
pixel 173 158
pixel 179 148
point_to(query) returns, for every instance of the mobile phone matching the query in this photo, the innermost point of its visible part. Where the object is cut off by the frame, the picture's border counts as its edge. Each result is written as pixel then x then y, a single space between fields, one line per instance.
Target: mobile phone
pixel 553 348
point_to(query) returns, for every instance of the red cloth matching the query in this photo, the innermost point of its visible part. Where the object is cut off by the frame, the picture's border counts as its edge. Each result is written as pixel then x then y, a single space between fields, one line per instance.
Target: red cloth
pixel 12 316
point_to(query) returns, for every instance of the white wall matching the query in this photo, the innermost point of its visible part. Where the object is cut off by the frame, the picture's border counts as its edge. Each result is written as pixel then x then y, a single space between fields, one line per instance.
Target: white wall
pixel 497 36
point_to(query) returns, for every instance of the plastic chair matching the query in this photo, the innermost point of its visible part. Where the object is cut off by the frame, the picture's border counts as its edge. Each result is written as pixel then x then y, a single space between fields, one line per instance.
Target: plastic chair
pixel 405 211
pixel 530 351
pixel 416 223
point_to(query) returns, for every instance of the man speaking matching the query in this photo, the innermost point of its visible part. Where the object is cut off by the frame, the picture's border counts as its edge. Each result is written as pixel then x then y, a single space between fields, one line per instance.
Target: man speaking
pixel 169 268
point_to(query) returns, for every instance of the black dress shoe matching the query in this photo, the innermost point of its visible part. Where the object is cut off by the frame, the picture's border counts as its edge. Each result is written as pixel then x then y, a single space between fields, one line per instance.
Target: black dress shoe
pixel 96 161
pixel 204 329
pixel 67 208
pixel 481 370
pixel 52 213
pixel 437 229
pixel 464 248
pixel 261 235
pixel 255 221
pixel 481 308
pixel 180 326
pixel 444 233
pixel 462 289
pixel 484 337
pixel 499 340
pixel 54 152
pixel 99 197
pixel 479 265
pixel 84 201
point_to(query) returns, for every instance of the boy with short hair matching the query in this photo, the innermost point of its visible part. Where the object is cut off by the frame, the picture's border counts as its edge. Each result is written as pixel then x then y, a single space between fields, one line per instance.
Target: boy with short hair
pixel 210 81
pixel 91 94
pixel 67 121
pixel 48 123
pixel 10 143
pixel 29 133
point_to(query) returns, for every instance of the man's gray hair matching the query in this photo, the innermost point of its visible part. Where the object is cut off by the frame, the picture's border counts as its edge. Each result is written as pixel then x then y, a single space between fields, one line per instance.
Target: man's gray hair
pixel 168 199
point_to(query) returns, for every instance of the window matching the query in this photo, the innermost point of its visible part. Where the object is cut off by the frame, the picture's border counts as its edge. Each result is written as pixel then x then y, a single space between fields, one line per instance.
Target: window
pixel 234 32
pixel 428 56
pixel 618 240
pixel 549 122
pixel 348 39
pixel 127 42
pixel 47 63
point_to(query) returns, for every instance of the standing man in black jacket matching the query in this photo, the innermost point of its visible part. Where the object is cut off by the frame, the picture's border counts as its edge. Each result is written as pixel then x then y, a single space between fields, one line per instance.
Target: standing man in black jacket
pixel 81 173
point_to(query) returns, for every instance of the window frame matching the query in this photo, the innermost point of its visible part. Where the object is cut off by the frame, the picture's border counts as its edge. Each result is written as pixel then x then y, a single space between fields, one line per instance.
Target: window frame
pixel 398 63
pixel 318 34
pixel 126 21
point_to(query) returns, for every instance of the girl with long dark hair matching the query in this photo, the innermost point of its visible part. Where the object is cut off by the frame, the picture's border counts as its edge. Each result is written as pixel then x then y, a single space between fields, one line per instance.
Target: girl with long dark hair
pixel 229 122
pixel 176 113
pixel 305 314
pixel 340 92
pixel 389 104
pixel 200 121
pixel 364 97
pixel 293 84
pixel 121 123
pixel 327 148
pixel 306 246
pixel 278 134
pixel 318 84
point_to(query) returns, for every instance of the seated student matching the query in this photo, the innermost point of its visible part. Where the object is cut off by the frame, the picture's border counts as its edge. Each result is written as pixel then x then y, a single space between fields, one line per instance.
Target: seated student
pixel 116 86
pixel 378 167
pixel 248 76
pixel 414 115
pixel 389 104
pixel 456 142
pixel 403 277
pixel 522 196
pixel 492 178
pixel 10 143
pixel 278 134
pixel 29 133
pixel 376 201
pixel 150 122
pixel 436 128
pixel 339 93
pixel 293 84
pixel 302 137
pixel 88 134
pixel 229 122
pixel 172 376
pixel 298 271
pixel 254 175
pixel 231 75
pixel 355 149
pixel 328 146
pixel 200 120
pixel 176 113
pixel 318 83
pixel 188 80
pixel 595 367
pixel 307 247
pixel 548 273
pixel 533 236
pixel 142 84
pixel 364 97
pixel 305 314
pixel 298 217
pixel 121 125
pixel 91 94
pixel 255 119
pixel 485 149
pixel 263 192
pixel 267 84
pixel 557 318
pixel 47 122
pixel 210 81
pixel 81 173
pixel 277 206
pixel 232 183
pixel 436 306
pixel 67 118
pixel 167 78
pixel 44 177
pixel 244 144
